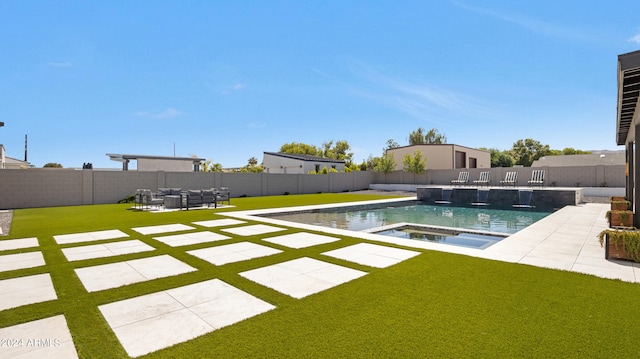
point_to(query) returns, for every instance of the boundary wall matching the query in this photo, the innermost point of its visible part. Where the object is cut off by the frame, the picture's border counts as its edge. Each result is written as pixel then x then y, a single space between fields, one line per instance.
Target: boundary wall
pixel 576 176
pixel 49 187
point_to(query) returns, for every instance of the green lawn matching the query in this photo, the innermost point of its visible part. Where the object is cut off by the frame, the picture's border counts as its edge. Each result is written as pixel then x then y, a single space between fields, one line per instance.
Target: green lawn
pixel 433 305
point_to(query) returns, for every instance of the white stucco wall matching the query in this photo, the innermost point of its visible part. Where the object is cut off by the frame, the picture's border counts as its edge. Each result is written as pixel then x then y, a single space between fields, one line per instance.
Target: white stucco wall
pixel 164 165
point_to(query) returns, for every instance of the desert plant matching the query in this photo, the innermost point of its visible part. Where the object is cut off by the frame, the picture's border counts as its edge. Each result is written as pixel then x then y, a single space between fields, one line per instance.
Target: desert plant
pixel 620 218
pixel 626 240
pixel 620 205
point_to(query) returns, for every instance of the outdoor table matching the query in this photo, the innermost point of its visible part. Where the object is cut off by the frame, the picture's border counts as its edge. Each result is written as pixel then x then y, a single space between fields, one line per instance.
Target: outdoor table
pixel 172 201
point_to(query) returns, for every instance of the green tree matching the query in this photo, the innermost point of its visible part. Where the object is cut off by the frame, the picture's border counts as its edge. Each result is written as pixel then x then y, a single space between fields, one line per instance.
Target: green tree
pixel 573 151
pixel 414 164
pixel 209 166
pixel 391 144
pixel 526 151
pixel 339 151
pixel 252 166
pixel 52 165
pixel 499 158
pixel 299 148
pixel 385 164
pixel 423 137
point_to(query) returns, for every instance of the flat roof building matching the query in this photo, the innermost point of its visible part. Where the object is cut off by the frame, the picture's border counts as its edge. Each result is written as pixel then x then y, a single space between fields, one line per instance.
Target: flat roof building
pixel 158 163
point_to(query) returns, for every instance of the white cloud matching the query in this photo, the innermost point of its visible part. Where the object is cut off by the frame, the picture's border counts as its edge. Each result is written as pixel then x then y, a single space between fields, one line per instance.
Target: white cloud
pixel 635 39
pixel 418 99
pixel 529 23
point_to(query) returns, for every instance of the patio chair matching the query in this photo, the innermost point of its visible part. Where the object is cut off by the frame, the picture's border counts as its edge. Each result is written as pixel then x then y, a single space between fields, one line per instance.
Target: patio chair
pixel 209 197
pixel 537 178
pixel 511 178
pixel 150 199
pixel 193 198
pixel 463 178
pixel 223 195
pixel 484 179
pixel 137 199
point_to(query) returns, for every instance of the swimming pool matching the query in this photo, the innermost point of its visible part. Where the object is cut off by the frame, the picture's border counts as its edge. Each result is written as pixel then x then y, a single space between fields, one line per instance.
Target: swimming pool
pixel 417 220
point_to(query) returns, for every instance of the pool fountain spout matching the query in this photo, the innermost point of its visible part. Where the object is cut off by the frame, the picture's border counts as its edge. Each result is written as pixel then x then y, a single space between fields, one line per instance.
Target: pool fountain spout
pixel 524 199
pixel 481 198
pixel 446 196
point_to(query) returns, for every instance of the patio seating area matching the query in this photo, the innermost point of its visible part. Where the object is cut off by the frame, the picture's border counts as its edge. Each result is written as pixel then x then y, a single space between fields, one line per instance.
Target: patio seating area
pixel 178 199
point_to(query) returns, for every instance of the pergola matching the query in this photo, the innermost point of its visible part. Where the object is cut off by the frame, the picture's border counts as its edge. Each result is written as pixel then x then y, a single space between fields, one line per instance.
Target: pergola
pixel 628 122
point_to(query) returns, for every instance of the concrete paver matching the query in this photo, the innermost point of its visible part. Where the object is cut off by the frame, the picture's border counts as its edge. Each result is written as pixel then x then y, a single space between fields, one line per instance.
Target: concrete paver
pixel 234 252
pixel 372 255
pixel 301 240
pixel 155 321
pixel 21 291
pixel 45 338
pixel 301 277
pixel 117 274
pixel 186 239
pixel 106 250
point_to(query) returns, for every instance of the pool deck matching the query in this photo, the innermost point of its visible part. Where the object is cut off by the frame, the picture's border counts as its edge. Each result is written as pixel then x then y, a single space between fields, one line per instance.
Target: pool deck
pixel 565 240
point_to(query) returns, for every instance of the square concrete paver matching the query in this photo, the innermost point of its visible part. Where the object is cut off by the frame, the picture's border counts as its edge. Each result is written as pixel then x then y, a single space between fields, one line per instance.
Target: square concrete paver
pixel 234 252
pixel 301 240
pixel 138 270
pixel 165 228
pixel 372 255
pixel 253 230
pixel 45 338
pixel 155 321
pixel 301 277
pixel 106 250
pixel 21 291
pixel 219 222
pixel 21 260
pixel 89 236
pixel 191 238
pixel 18 243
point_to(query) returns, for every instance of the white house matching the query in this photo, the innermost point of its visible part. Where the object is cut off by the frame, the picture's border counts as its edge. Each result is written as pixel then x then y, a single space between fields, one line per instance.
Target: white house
pixel 7 162
pixel 278 162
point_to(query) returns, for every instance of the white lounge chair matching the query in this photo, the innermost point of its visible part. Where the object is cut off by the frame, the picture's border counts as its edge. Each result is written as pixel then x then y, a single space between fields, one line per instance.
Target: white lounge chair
pixel 537 178
pixel 463 178
pixel 484 179
pixel 511 178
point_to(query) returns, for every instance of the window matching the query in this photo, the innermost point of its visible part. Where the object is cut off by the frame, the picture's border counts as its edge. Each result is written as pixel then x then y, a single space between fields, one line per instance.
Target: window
pixel 317 168
pixel 473 162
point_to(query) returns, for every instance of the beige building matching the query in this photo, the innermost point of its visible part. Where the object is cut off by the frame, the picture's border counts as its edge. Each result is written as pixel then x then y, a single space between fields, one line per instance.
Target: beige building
pixel 444 156
pixel 278 162
pixel 159 163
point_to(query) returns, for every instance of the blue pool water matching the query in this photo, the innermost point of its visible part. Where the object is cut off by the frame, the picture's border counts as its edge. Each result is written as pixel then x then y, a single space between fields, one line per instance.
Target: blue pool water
pixel 483 219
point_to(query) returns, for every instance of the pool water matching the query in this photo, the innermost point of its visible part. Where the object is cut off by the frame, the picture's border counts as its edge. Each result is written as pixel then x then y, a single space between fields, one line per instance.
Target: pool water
pixel 473 218
pixel 462 239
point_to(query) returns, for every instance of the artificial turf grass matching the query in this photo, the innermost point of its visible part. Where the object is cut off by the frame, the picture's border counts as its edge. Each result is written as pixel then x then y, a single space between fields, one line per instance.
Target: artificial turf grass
pixel 441 305
pixel 435 304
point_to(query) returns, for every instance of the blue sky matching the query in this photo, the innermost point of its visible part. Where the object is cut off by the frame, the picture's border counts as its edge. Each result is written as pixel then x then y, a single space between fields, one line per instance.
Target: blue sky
pixel 228 80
